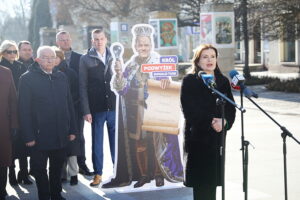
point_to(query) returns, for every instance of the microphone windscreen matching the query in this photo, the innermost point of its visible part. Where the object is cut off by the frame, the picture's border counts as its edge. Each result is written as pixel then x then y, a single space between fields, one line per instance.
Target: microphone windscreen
pixel 233 73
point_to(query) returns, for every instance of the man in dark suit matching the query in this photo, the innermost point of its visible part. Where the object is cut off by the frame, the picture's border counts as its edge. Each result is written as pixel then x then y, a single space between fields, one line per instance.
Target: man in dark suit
pixel 64 42
pixel 47 121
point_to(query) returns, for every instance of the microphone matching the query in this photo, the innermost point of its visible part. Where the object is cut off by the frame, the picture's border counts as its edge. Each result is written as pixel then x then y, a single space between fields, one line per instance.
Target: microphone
pixel 237 82
pixel 208 79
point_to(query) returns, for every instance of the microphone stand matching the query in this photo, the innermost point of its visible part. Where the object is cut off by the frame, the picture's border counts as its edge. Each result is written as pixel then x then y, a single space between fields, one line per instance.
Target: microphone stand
pixel 245 156
pixel 284 133
pixel 221 101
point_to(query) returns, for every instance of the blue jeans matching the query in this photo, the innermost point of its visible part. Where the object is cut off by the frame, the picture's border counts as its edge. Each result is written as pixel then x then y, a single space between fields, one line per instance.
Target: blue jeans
pixel 97 138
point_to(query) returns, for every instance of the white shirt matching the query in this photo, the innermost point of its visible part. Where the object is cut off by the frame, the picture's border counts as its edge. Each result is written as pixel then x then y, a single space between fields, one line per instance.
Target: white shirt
pixel 102 57
pixel 45 71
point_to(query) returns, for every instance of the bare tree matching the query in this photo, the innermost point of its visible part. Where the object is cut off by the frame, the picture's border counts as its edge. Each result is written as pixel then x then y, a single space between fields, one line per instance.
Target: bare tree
pixel 13 24
pixel 40 17
pixel 102 11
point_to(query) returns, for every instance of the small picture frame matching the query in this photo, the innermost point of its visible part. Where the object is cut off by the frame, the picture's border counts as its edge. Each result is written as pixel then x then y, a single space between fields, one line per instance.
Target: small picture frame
pixel 124 27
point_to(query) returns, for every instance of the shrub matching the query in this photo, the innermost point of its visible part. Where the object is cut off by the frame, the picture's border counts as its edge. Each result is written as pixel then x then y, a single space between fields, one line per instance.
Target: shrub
pixel 276 84
pixel 285 86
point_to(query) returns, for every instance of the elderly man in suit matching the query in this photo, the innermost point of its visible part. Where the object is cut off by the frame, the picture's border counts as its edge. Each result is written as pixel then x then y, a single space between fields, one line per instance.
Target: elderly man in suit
pixel 47 121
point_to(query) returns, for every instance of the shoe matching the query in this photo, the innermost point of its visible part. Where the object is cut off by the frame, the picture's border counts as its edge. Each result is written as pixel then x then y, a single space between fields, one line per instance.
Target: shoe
pixel 12 178
pixel 159 181
pixel 74 180
pixel 97 180
pixel 23 178
pixel 85 171
pixel 114 183
pixel 143 180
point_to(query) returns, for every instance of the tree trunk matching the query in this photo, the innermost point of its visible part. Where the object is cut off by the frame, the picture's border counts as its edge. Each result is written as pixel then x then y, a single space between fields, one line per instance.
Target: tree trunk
pixel 246 39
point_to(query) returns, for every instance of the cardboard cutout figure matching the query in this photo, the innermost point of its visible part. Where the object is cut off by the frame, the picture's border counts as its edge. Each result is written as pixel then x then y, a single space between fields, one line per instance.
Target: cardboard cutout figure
pixel 142 155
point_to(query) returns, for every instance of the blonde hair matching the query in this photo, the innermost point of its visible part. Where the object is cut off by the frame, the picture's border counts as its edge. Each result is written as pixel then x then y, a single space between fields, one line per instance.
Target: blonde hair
pixel 197 54
pixel 6 44
pixel 59 52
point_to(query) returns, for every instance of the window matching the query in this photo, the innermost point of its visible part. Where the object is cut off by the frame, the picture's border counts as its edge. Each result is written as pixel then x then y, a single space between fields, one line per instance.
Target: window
pixel 289 49
pixel 288 44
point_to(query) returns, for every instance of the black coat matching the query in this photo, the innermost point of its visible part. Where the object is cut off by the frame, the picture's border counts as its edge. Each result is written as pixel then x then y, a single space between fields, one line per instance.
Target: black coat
pixel 17 69
pixel 26 63
pixel 94 83
pixel 46 108
pixel 74 61
pixel 201 141
pixel 73 146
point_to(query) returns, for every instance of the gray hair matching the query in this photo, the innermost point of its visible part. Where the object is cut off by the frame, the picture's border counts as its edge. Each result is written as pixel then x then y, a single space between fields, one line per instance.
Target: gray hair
pixel 43 48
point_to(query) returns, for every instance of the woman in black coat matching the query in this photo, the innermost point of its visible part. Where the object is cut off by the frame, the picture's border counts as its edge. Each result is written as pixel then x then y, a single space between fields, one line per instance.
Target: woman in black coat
pixel 8 57
pixel 73 149
pixel 203 124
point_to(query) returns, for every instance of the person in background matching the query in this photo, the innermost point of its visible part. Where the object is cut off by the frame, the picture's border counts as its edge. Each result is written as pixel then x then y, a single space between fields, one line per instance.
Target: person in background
pixel 70 166
pixel 9 57
pixel 72 58
pixel 47 121
pixel 25 53
pixel 8 124
pixel 203 124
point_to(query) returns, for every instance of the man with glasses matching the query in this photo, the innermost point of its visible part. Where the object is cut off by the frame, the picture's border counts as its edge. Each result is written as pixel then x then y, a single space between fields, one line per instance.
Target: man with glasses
pixel 47 121
pixel 64 42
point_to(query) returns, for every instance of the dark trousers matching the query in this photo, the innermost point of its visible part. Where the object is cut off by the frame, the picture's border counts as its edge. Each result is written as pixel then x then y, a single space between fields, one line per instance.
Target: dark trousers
pixel 3 181
pixel 48 187
pixel 81 158
pixel 23 166
pixel 204 192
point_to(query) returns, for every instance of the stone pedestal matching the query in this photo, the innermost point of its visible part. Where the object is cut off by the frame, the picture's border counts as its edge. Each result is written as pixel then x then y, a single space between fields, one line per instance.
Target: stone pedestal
pixel 217 28
pixel 47 36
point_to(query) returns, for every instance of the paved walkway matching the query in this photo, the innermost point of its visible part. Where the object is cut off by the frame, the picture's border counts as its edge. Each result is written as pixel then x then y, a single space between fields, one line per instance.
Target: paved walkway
pixel 265 160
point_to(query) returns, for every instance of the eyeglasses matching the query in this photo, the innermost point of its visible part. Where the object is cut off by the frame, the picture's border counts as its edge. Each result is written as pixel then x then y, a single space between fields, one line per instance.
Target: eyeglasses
pixel 11 51
pixel 62 40
pixel 48 58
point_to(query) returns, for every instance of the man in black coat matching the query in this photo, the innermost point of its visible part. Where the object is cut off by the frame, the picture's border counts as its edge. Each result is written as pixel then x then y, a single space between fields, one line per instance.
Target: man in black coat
pixel 25 53
pixel 72 58
pixel 47 121
pixel 97 99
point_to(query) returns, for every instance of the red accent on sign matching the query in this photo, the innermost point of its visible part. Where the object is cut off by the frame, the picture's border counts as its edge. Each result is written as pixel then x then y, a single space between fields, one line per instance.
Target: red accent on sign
pixel 146 68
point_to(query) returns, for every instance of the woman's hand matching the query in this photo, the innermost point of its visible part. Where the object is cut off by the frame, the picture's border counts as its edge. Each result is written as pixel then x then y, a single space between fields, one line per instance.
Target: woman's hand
pixel 216 124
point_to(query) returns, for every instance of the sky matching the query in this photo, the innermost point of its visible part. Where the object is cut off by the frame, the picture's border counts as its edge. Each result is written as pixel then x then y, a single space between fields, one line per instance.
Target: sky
pixel 7 6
